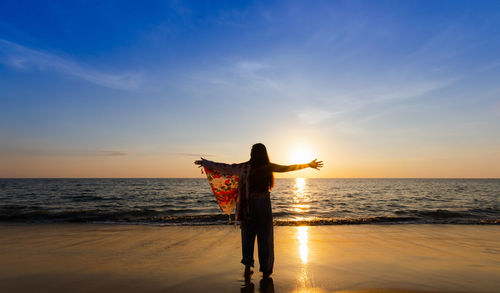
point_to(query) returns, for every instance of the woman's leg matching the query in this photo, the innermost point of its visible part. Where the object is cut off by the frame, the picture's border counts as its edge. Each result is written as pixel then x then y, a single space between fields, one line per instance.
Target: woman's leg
pixel 247 243
pixel 265 237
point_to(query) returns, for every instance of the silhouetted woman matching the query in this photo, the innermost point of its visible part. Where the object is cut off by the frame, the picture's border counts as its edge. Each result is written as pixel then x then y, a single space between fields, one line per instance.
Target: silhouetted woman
pixel 254 203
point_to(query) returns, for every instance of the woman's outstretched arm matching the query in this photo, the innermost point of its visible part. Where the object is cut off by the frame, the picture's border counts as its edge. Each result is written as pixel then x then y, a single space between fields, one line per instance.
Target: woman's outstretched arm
pixel 228 169
pixel 315 164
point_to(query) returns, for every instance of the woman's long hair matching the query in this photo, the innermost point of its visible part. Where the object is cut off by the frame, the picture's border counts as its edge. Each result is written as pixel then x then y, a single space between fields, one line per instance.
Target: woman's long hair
pixel 260 165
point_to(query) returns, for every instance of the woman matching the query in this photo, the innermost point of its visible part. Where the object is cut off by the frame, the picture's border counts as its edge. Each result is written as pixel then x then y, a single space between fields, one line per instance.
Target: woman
pixel 254 204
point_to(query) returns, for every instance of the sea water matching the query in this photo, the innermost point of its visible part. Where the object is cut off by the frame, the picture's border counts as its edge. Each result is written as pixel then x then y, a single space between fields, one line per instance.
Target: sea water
pixel 295 201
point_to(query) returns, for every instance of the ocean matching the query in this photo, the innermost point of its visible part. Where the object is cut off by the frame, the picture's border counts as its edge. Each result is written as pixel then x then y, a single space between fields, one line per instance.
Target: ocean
pixel 295 201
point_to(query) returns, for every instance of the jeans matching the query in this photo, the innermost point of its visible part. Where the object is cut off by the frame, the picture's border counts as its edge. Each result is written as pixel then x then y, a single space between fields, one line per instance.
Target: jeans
pixel 260 225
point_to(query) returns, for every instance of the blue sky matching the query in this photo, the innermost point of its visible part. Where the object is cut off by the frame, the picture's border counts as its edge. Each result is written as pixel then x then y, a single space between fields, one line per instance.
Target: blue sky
pixel 140 89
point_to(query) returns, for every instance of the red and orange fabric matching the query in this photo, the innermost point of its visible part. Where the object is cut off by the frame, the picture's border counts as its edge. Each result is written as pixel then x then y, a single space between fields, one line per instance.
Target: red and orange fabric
pixel 225 189
pixel 229 183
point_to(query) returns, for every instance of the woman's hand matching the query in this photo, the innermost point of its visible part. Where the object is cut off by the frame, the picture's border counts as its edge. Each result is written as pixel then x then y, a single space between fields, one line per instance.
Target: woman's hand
pixel 197 162
pixel 316 164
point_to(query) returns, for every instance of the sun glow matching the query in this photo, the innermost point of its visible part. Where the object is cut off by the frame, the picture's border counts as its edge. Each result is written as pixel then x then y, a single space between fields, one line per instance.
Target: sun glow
pixel 301 155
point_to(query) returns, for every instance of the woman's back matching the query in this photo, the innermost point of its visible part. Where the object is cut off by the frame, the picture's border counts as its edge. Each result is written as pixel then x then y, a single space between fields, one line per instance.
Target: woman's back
pixel 261 175
pixel 260 179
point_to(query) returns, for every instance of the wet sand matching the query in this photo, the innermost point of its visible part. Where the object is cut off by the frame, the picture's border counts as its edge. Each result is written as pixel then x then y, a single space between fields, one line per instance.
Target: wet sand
pixel 364 258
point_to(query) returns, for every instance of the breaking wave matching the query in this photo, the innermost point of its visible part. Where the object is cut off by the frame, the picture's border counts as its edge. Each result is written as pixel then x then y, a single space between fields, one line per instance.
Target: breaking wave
pixel 36 215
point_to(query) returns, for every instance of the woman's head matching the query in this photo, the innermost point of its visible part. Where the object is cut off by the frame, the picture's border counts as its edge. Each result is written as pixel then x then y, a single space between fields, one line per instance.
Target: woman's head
pixel 259 162
pixel 258 155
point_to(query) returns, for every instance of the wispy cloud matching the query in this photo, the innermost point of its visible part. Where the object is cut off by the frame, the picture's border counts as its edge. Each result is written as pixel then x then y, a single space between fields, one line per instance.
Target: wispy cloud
pixel 14 149
pixel 112 153
pixel 404 91
pixel 194 155
pixel 314 116
pixel 227 77
pixel 250 68
pixel 24 58
pixel 306 95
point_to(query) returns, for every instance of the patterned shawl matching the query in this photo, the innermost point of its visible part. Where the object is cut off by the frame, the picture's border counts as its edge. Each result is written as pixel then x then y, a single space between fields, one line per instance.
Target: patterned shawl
pixel 229 184
pixel 225 189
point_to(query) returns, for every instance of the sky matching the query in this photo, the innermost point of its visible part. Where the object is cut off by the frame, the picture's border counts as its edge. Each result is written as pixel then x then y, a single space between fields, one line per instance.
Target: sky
pixel 144 88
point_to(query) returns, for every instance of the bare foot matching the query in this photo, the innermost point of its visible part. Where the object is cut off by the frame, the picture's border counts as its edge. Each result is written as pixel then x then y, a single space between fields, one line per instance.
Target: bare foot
pixel 248 271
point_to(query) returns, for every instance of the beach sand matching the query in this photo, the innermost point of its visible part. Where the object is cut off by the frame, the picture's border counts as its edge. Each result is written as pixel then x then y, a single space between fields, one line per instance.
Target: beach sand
pixel 135 258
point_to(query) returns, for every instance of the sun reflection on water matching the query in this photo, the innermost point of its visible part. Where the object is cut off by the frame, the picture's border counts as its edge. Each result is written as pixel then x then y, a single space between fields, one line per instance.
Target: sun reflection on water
pixel 301 198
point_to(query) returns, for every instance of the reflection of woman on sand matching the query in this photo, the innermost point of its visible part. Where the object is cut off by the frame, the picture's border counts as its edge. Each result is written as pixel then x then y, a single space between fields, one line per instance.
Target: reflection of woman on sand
pixel 254 203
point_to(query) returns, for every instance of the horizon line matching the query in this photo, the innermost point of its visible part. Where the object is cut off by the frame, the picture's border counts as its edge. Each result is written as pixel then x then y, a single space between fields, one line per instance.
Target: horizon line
pixel 3 178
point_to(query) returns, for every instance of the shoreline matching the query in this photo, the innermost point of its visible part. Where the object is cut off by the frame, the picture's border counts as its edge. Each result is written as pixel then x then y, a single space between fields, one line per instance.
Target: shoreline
pixel 180 222
pixel 86 257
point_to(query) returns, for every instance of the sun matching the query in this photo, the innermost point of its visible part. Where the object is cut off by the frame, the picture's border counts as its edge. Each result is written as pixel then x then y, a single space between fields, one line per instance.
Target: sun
pixel 300 155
